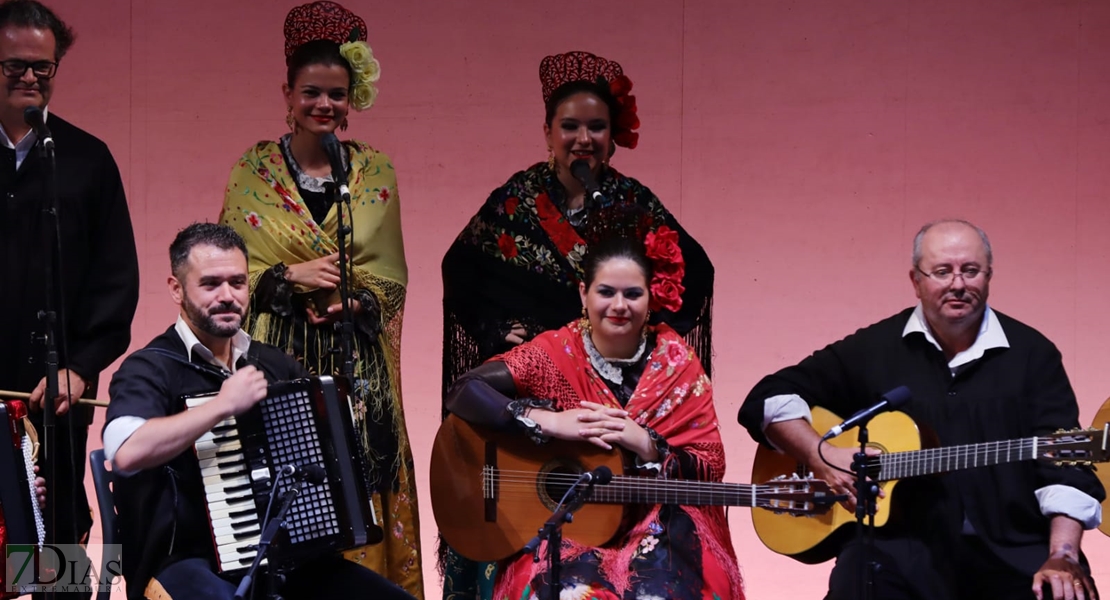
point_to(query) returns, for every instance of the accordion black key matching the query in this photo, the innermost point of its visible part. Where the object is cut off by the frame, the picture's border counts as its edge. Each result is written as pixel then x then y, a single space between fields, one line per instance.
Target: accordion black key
pixel 301 423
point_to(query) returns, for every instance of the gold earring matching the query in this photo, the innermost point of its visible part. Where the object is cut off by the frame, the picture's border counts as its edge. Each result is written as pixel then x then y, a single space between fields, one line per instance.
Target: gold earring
pixel 343 125
pixel 584 322
pixel 551 165
pixel 289 120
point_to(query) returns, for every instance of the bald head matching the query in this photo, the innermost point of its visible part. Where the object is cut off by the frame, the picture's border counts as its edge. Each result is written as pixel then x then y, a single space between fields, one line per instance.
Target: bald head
pixel 949 226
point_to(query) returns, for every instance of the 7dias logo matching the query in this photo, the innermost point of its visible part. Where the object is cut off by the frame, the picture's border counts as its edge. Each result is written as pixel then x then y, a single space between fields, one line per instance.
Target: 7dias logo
pixel 58 568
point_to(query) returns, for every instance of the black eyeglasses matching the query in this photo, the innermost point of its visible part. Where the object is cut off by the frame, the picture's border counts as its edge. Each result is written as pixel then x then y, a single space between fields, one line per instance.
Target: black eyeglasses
pixel 15 68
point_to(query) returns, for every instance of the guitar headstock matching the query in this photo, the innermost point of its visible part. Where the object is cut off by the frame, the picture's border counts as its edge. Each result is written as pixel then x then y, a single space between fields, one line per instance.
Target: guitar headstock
pixel 1075 447
pixel 796 496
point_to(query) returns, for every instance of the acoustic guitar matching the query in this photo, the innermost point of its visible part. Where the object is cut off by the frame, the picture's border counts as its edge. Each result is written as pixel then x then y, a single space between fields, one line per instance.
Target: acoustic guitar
pixel 491 492
pixel 1102 417
pixel 897 436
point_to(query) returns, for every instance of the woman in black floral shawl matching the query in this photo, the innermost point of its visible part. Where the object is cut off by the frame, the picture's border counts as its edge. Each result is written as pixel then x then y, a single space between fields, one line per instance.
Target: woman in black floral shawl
pixel 514 270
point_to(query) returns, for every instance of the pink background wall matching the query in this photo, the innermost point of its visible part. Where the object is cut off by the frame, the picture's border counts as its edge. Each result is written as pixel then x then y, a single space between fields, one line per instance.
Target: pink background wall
pixel 803 143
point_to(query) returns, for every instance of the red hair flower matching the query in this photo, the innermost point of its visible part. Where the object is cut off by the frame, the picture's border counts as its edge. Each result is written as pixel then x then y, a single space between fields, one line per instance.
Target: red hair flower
pixel 668 268
pixel 626 120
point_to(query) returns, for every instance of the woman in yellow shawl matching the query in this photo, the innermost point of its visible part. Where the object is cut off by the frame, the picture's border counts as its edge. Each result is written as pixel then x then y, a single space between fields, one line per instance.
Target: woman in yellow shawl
pixel 276 199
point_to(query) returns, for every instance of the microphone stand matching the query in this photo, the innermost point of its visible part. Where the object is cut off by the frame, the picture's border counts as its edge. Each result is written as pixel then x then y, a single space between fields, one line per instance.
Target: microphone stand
pixel 266 542
pixel 52 254
pixel 552 531
pixel 867 494
pixel 346 326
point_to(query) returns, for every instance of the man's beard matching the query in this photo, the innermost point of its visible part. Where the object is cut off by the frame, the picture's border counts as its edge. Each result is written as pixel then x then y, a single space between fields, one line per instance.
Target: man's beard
pixel 204 321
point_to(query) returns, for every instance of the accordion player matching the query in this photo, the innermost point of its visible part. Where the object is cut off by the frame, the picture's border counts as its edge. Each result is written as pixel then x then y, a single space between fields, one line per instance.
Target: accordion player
pixel 302 423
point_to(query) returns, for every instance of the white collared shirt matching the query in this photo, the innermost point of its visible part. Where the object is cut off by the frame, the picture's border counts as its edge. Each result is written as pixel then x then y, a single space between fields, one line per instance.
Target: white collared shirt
pixel 240 343
pixel 22 147
pixel 1052 499
pixel 990 336
pixel 119 430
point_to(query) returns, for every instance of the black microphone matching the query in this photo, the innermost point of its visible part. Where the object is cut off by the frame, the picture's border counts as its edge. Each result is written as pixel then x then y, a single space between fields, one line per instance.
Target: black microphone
pixel 891 400
pixel 32 116
pixel 580 169
pixel 601 475
pixel 313 474
pixel 335 157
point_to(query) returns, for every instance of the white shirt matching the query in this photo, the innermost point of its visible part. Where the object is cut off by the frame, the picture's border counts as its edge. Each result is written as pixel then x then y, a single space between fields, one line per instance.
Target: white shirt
pixel 120 429
pixel 1053 499
pixel 22 147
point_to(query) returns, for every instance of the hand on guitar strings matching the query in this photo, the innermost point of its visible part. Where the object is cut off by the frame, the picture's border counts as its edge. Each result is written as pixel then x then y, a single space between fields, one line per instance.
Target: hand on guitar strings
pixel 834 467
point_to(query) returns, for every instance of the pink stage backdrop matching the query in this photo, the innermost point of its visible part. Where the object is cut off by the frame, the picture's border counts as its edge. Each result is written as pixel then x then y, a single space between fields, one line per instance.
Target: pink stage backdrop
pixel 802 142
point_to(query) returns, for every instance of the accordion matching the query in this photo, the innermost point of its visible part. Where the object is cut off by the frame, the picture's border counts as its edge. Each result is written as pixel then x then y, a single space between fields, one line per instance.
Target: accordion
pixel 20 515
pixel 306 422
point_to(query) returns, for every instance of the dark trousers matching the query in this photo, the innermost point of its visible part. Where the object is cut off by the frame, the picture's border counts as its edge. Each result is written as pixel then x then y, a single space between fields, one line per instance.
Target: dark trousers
pixel 907 570
pixel 328 578
pixel 65 484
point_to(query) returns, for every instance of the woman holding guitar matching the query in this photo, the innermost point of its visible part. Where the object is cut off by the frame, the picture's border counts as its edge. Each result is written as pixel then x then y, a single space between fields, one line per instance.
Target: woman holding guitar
pixel 611 380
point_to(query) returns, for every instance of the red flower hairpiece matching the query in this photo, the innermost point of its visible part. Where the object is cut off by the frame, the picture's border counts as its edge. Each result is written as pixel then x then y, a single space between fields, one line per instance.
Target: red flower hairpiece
pixel 560 69
pixel 626 121
pixel 668 268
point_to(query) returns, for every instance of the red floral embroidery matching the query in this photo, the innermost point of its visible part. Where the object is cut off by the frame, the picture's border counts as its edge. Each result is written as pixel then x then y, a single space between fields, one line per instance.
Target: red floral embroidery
pixel 558 229
pixel 676 355
pixel 383 195
pixel 254 220
pixel 507 245
pixel 511 205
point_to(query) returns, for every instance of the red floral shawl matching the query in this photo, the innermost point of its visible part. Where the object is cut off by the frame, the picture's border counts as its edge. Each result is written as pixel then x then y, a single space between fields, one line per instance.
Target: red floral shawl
pixel 675 398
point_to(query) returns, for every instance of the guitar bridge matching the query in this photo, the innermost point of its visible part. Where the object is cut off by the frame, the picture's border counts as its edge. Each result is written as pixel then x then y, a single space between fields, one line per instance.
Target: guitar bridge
pixel 490 489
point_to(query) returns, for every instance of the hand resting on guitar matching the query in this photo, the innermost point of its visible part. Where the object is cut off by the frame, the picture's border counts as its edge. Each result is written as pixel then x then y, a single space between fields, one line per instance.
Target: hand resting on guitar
pixel 601 426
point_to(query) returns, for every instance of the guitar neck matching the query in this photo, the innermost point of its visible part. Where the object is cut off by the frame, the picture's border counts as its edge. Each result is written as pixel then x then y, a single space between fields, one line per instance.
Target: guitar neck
pixel 899 465
pixel 643 490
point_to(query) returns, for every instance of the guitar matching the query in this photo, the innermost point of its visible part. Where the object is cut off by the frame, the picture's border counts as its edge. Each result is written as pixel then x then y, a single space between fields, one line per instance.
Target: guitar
pixel 492 491
pixel 1102 417
pixel 817 540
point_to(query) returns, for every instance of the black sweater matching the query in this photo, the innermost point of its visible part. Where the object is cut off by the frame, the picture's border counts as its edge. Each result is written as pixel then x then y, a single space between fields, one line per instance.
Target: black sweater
pixel 1014 392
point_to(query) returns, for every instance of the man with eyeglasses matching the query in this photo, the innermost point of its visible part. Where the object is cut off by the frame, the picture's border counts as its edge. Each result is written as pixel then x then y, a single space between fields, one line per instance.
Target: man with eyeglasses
pixel 976 375
pixel 97 274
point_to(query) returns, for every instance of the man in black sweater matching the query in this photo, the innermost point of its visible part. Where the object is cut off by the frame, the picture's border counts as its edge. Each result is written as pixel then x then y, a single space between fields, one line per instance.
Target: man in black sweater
pixel 976 375
pixel 149 435
pixel 96 276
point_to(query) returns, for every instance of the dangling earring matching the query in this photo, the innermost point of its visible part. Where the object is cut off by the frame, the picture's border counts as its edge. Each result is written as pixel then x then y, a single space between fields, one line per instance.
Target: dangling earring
pixel 584 322
pixel 646 326
pixel 551 165
pixel 343 125
pixel 289 120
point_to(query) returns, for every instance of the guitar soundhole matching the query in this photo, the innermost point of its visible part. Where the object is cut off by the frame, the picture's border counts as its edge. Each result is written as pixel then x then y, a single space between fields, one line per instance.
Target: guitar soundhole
pixel 555 478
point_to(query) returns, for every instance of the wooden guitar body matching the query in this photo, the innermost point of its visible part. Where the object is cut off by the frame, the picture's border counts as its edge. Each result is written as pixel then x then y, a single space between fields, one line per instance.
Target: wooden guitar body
pixel 490 517
pixel 815 539
pixel 1101 418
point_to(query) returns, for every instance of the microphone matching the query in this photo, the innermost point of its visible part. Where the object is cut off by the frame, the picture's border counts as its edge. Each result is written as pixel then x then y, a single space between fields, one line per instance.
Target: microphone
pixel 891 400
pixel 601 475
pixel 313 474
pixel 335 157
pixel 580 169
pixel 32 116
